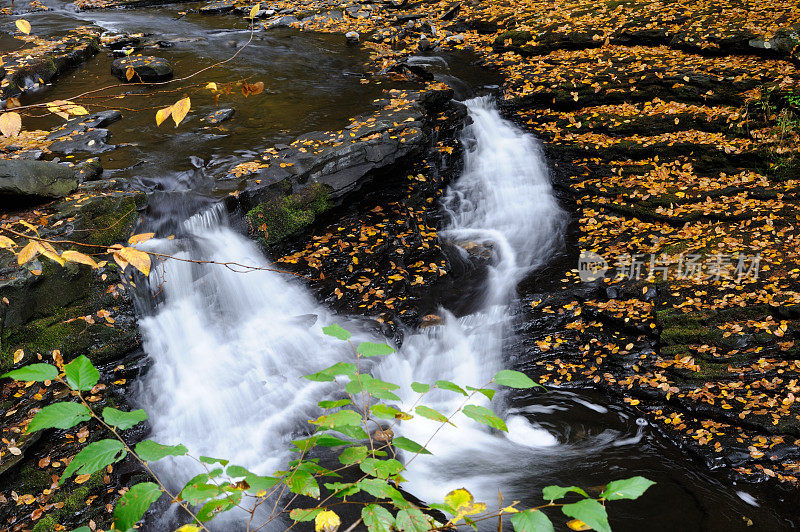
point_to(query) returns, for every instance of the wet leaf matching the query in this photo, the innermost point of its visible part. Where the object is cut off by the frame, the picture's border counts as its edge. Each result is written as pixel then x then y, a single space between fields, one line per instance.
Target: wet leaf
pixel 180 109
pixel 95 457
pixel 81 374
pixel 62 415
pixel 123 420
pixel 134 503
pixel 75 256
pixel 23 25
pixel 10 124
pixel 33 372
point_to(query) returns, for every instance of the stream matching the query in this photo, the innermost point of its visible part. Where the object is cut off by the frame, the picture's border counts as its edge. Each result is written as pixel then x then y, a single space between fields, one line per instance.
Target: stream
pixel 229 349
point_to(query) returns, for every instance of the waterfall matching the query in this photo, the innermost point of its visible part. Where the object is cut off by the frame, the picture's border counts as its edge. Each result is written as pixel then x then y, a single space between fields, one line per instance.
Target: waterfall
pixel 229 348
pixel 504 203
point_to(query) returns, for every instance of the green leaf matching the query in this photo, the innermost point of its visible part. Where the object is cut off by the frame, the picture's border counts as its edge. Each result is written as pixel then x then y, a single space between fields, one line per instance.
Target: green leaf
pixel 553 493
pixel 443 507
pixel 384 411
pixel 629 488
pixel 515 379
pixel 334 404
pixel 411 520
pixel 301 482
pixel 419 387
pixel 590 512
pixel 329 374
pixel 373 386
pixel 95 457
pixel 481 414
pixel 488 392
pixel 123 420
pixel 338 419
pixel 378 487
pixel 343 490
pixel 213 508
pixel 257 483
pixel 352 455
pixel 211 460
pixel 33 372
pixel 59 416
pixel 81 374
pixel 337 332
pixel 370 349
pixel 531 521
pixel 356 433
pixel 377 518
pixel 430 413
pixel 83 529
pixel 327 440
pixel 447 385
pixel 198 490
pixel 150 451
pixel 409 445
pixel 132 506
pixel 380 468
pixel 301 515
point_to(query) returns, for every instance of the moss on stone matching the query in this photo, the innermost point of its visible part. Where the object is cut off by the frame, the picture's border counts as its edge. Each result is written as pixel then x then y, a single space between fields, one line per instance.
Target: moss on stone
pixel 517 37
pixel 284 216
pixel 45 524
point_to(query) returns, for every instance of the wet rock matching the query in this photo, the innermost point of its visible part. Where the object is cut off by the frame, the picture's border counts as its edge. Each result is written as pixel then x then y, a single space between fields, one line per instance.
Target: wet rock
pixel 414 72
pixel 220 115
pixel 146 69
pixel 352 37
pixel 119 41
pixel 383 435
pixel 89 141
pixel 25 70
pixel 282 22
pixel 480 250
pixel 431 320
pixel 217 8
pixel 35 179
pixel 89 170
pixel 424 44
pixel 82 124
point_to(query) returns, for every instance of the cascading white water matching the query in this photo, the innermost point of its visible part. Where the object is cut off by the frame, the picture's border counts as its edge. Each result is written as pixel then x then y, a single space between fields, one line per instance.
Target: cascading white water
pixel 504 202
pixel 229 349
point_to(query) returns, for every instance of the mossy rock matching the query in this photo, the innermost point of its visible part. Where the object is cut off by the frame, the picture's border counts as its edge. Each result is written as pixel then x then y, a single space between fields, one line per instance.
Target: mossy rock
pixel 284 216
pixel 517 37
pixel 45 524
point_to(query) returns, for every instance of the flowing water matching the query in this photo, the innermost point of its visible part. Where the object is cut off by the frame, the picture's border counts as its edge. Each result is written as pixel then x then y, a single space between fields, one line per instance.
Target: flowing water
pixel 229 348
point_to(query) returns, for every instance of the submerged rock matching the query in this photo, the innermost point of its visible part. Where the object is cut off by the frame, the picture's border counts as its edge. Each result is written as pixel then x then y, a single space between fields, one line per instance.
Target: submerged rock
pixel 36 179
pixel 220 115
pixel 145 68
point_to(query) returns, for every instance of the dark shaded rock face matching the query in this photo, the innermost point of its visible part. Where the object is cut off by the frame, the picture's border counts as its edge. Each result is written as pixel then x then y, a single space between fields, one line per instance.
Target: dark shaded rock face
pixel 84 134
pixel 35 179
pixel 145 69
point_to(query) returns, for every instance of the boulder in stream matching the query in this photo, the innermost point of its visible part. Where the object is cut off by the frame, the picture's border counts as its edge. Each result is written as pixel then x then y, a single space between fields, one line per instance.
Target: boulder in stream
pixel 36 179
pixel 220 115
pixel 146 69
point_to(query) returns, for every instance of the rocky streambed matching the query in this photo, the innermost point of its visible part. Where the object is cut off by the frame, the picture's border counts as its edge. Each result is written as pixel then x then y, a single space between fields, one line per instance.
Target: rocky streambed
pixel 668 135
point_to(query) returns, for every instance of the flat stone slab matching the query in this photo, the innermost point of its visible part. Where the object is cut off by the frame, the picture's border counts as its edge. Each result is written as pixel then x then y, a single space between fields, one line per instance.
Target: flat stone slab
pixel 146 69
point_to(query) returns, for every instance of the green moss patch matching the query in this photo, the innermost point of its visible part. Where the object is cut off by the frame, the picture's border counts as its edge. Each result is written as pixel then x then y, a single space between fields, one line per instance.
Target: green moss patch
pixel 284 216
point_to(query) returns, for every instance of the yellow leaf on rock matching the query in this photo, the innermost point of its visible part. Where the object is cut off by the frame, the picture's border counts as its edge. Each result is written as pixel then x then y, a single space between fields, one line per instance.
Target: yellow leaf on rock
pixel 180 109
pixel 30 250
pixel 6 242
pixel 75 256
pixel 10 124
pixel 18 354
pixel 188 528
pixel 327 521
pixel 24 26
